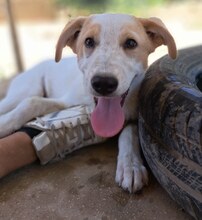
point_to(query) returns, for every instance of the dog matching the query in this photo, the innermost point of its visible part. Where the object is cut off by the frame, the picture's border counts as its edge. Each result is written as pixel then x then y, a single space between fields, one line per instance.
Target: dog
pixel 112 52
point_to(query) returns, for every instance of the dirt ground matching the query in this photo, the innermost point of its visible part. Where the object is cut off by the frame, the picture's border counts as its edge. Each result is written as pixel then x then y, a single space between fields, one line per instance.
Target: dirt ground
pixel 82 187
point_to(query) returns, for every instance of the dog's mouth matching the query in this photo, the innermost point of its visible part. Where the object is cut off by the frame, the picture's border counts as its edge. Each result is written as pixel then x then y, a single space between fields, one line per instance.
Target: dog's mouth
pixel 108 117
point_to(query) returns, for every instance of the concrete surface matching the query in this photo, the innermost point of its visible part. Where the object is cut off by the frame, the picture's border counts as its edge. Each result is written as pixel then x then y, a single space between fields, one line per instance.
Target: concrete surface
pixel 82 187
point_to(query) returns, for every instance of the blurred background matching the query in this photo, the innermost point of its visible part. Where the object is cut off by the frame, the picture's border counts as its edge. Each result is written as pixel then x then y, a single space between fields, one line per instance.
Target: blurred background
pixel 38 24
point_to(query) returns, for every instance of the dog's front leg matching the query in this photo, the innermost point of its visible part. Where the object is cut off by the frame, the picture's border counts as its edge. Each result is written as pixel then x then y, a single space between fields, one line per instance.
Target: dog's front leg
pixel 131 174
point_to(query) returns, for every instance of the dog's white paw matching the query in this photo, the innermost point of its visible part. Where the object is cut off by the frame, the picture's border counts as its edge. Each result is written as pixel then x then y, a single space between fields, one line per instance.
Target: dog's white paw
pixel 131 176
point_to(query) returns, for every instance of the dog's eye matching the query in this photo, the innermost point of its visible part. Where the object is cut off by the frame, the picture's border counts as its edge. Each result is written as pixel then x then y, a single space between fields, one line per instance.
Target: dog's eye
pixel 89 42
pixel 130 44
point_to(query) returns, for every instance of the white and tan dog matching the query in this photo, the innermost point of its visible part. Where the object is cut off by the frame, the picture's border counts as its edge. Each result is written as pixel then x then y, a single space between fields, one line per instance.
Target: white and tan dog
pixel 112 52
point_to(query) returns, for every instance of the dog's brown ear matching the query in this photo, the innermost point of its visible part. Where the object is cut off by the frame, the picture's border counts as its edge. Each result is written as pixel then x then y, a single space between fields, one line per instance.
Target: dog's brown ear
pixel 69 36
pixel 159 34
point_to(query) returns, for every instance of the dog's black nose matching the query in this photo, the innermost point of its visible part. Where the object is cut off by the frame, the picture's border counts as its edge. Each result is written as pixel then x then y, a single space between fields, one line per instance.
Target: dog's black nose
pixel 104 85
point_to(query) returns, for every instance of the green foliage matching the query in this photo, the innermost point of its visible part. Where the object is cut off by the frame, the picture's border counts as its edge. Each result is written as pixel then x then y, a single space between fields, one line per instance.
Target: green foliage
pixel 88 5
pixel 95 6
pixel 133 6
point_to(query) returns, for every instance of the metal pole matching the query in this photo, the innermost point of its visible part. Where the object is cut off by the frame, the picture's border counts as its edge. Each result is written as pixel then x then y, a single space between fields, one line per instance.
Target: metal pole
pixel 14 37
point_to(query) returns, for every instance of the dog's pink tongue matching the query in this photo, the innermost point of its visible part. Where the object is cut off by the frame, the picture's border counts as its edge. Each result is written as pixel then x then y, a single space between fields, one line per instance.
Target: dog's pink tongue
pixel 108 118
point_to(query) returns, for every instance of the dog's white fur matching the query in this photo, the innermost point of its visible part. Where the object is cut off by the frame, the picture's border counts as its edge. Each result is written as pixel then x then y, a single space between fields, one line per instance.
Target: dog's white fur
pixel 49 87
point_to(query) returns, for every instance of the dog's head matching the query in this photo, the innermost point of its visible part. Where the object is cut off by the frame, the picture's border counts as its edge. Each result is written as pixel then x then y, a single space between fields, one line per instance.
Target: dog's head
pixel 112 51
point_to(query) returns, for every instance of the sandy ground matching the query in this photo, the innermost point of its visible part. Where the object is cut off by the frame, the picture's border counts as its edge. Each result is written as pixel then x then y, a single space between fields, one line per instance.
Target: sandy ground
pixel 82 187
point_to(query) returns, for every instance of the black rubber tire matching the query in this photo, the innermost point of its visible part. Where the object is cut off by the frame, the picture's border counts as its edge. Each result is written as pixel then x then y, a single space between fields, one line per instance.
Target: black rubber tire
pixel 170 126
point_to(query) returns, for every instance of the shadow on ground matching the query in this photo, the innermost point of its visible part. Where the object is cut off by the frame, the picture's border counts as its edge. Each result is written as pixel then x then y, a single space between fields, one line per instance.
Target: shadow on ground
pixel 82 187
